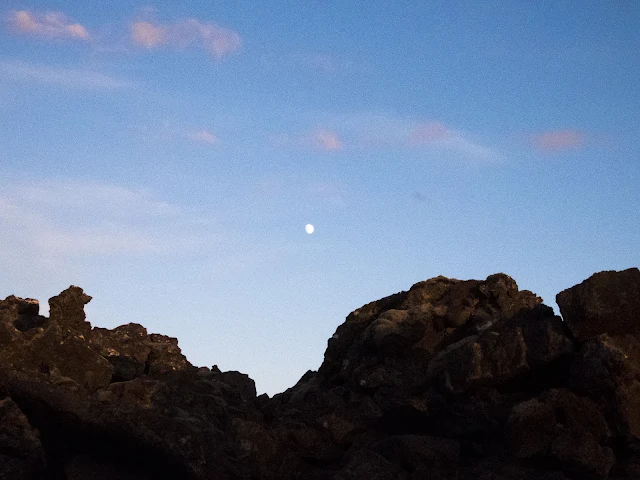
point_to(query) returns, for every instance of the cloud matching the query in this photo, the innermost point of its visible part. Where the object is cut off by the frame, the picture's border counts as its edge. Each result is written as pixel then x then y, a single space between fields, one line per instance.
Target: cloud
pixel 369 131
pixel 202 136
pixel 48 24
pixel 320 139
pixel 64 77
pixel 45 220
pixel 430 132
pixel 558 140
pixel 148 35
pixel 168 131
pixel 326 140
pixel 219 41
pixel 438 135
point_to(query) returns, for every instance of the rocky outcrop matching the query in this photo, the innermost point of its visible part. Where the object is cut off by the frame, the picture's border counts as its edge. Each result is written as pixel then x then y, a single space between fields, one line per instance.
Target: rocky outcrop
pixel 607 302
pixel 449 380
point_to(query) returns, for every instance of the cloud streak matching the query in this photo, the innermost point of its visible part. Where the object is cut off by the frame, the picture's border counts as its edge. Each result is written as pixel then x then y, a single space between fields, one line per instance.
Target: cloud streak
pixel 218 41
pixel 60 76
pixel 326 140
pixel 438 135
pixel 558 140
pixel 375 131
pixel 48 24
pixel 202 136
pixel 322 139
pixel 66 218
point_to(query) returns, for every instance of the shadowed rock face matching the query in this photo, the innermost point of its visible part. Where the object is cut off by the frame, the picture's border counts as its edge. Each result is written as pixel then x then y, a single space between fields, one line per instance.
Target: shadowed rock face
pixel 607 302
pixel 451 380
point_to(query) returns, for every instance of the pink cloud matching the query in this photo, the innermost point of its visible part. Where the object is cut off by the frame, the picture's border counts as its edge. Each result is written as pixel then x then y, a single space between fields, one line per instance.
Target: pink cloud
pixel 326 140
pixel 430 132
pixel 49 24
pixel 203 136
pixel 219 41
pixel 556 140
pixel 147 35
pixel 438 135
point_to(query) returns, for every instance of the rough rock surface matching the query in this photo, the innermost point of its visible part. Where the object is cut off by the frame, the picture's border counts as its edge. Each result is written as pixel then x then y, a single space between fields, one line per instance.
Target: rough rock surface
pixel 452 379
pixel 607 302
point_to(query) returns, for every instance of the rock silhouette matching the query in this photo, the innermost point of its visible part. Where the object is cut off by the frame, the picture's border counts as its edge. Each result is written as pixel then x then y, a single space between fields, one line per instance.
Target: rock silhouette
pixel 450 380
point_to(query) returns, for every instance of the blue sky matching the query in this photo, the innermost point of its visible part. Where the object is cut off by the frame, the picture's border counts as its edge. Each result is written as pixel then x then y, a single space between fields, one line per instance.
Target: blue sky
pixel 166 158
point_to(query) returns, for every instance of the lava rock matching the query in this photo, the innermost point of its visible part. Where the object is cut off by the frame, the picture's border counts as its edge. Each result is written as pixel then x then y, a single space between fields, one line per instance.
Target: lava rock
pixel 452 379
pixel 606 302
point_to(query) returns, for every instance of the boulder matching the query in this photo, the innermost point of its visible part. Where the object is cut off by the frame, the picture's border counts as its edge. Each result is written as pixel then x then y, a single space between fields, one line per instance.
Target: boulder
pixel 67 309
pixel 422 456
pixel 22 456
pixel 608 368
pixel 434 316
pixel 606 302
pixel 562 426
pixel 503 351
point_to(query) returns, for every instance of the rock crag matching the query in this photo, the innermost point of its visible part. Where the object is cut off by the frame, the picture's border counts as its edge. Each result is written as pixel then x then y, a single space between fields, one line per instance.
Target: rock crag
pixel 450 380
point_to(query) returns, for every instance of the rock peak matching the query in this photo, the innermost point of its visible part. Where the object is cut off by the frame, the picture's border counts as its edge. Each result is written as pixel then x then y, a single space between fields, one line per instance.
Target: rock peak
pixel 451 379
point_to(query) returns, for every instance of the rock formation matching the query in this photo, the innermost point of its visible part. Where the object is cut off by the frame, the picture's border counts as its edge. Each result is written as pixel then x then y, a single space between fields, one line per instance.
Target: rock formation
pixel 452 379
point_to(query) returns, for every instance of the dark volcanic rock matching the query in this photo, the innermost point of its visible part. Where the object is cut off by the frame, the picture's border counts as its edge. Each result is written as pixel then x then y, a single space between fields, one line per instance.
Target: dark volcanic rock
pixel 562 426
pixel 452 379
pixel 21 452
pixel 97 395
pixel 67 309
pixel 607 302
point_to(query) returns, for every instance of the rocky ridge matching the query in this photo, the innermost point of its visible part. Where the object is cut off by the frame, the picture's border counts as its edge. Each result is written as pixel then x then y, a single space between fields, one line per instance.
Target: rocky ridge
pixel 450 380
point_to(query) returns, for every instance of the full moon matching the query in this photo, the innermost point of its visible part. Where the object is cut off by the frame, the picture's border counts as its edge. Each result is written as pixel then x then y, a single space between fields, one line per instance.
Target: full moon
pixel 309 228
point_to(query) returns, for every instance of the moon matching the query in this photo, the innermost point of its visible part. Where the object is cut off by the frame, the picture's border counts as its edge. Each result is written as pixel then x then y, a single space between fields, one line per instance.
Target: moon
pixel 309 228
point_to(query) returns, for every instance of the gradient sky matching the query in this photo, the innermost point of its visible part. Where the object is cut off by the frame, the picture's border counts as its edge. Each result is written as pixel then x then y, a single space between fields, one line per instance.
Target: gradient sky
pixel 166 158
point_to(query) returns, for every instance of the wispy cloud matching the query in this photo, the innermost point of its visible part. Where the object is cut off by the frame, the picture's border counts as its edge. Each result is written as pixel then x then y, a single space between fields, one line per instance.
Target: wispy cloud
pixel 430 132
pixel 388 131
pixel 61 76
pixel 50 219
pixel 327 140
pixel 47 24
pixel 558 140
pixel 202 136
pixel 218 41
pixel 169 131
pixel 320 138
pixel 148 35
pixel 438 135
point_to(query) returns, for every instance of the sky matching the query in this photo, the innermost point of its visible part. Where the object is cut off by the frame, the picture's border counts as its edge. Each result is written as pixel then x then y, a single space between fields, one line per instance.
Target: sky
pixel 167 156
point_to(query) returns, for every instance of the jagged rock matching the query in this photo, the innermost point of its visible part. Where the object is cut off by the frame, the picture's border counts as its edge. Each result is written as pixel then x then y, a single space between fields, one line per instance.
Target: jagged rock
pixel 561 425
pixel 465 380
pixel 95 394
pixel 502 351
pixel 417 325
pixel 132 352
pixel 422 456
pixel 369 465
pixel 607 302
pixel 67 309
pixel 608 368
pixel 125 347
pixel 54 349
pixel 240 383
pixel 21 454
